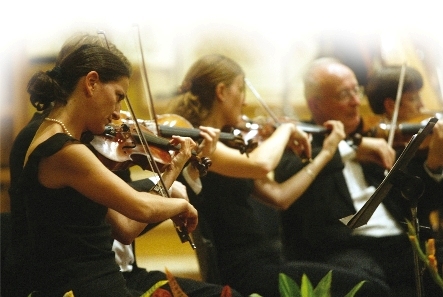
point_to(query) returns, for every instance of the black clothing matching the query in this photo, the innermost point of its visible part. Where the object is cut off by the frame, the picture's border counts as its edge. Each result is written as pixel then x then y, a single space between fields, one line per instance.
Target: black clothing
pixel 15 269
pixel 312 230
pixel 15 279
pixel 246 260
pixel 140 280
pixel 69 239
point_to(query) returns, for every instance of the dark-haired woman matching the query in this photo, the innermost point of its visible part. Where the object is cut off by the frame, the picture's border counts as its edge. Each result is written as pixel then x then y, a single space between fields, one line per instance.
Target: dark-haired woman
pixel 74 205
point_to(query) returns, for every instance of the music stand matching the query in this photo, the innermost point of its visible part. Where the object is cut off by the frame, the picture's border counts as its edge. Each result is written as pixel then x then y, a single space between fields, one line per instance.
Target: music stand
pixel 411 188
pixel 394 177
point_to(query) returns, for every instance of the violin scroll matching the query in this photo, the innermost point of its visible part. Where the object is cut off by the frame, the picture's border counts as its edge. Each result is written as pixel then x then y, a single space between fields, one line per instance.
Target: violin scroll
pixel 202 164
pixel 242 140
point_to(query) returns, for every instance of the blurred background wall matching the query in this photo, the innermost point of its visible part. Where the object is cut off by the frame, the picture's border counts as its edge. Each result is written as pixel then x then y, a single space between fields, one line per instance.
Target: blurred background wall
pixel 272 40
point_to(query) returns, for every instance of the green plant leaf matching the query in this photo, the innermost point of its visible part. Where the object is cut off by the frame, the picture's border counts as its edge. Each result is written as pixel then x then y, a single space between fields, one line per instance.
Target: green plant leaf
pixel 355 289
pixel 306 287
pixel 422 256
pixel 153 288
pixel 287 286
pixel 323 288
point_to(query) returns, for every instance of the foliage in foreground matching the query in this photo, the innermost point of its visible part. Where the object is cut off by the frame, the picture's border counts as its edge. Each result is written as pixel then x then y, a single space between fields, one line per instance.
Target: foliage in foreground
pixel 427 258
pixel 289 288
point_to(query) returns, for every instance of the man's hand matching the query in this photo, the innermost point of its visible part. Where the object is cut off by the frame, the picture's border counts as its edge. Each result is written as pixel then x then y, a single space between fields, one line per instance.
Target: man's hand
pixel 376 150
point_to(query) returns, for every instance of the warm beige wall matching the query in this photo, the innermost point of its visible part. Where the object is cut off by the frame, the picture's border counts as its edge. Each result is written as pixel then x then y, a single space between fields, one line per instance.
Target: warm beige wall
pixel 274 66
pixel 273 63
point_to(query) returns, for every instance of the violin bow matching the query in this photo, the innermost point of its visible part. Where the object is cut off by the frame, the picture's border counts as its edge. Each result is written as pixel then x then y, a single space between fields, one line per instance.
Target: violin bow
pixel 182 232
pixel 161 186
pixel 396 176
pixel 274 117
pixel 393 125
pixel 146 84
pixel 261 101
pixel 308 128
pixel 397 105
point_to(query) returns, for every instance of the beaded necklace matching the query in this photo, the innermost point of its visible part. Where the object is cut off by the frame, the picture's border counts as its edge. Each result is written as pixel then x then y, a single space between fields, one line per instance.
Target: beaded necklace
pixel 61 124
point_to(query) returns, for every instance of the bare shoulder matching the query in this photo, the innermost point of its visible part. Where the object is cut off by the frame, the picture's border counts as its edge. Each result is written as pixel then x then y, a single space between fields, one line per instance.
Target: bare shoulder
pixel 74 161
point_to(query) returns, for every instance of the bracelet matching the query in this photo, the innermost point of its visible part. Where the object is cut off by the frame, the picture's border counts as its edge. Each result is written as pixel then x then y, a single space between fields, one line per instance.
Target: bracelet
pixel 309 172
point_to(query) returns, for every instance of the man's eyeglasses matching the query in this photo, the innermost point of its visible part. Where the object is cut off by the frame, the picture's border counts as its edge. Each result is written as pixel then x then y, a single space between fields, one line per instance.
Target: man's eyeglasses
pixel 346 95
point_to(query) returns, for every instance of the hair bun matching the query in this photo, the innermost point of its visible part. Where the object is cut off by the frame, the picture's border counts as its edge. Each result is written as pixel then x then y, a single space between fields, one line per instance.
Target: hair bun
pixel 55 73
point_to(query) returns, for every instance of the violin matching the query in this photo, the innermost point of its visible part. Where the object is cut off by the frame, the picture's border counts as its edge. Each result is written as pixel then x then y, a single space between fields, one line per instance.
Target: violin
pixel 258 130
pixel 132 152
pixel 403 133
pixel 120 148
pixel 173 124
pixel 261 128
pixel 269 125
pixel 399 134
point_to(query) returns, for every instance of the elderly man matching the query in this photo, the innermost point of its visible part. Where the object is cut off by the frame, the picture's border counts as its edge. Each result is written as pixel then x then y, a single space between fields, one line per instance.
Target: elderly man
pixel 311 226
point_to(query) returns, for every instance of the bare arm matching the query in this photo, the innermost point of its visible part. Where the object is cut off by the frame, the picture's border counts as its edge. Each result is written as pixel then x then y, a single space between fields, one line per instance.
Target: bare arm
pixel 376 150
pixel 82 171
pixel 134 228
pixel 282 195
pixel 126 230
pixel 263 159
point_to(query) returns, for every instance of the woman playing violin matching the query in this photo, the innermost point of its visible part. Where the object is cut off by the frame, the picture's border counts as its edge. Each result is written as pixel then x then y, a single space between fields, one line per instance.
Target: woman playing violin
pixel 213 94
pixel 382 99
pixel 75 206
pixel 381 91
pixel 138 280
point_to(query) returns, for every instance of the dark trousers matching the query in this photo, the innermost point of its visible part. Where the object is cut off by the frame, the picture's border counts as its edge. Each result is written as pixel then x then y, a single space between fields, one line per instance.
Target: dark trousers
pixel 390 259
pixel 140 280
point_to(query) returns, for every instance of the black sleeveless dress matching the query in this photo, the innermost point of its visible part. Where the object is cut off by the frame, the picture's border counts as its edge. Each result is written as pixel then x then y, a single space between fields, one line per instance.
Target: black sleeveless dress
pixel 68 243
